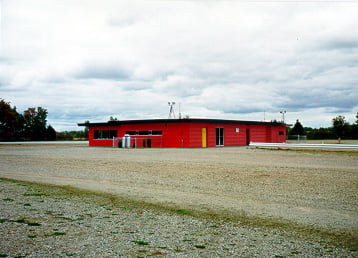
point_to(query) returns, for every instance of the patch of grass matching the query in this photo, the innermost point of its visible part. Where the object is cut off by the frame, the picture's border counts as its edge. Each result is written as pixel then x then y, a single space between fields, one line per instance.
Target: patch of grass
pixel 315 151
pixel 31 236
pixel 34 224
pixel 22 220
pixel 184 212
pixel 3 220
pixel 200 246
pixel 34 194
pixel 58 234
pixel 141 242
pixel 3 255
pixel 177 249
pixel 27 204
pixel 66 218
pixel 8 200
pixel 25 221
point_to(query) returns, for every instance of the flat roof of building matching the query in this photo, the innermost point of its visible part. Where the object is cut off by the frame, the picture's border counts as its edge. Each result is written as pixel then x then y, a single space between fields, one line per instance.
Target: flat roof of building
pixel 183 120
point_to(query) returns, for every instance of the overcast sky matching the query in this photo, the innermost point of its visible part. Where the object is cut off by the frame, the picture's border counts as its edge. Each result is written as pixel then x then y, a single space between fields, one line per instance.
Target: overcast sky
pixel 244 60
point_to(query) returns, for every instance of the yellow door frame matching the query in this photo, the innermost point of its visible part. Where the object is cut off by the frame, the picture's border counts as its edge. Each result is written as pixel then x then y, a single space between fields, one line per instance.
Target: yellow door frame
pixel 203 138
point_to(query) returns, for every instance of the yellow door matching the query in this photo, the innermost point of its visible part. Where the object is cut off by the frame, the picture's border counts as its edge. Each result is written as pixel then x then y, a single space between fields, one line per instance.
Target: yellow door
pixel 203 137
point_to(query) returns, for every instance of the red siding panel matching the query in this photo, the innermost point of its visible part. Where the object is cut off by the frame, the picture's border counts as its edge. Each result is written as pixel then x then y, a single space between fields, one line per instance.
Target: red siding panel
pixel 189 134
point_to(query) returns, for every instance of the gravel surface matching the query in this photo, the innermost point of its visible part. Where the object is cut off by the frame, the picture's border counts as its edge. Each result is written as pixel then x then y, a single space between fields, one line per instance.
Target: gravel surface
pixel 311 188
pixel 35 223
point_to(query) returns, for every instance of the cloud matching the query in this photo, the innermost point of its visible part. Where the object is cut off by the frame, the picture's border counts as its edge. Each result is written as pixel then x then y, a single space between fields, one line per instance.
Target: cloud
pixel 234 60
pixel 341 44
pixel 103 71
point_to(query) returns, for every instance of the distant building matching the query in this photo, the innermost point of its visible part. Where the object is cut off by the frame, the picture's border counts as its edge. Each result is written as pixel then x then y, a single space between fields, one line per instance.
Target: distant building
pixel 184 133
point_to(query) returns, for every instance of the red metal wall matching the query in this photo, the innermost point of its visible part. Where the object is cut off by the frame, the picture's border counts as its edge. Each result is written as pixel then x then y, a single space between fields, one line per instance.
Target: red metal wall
pixel 189 134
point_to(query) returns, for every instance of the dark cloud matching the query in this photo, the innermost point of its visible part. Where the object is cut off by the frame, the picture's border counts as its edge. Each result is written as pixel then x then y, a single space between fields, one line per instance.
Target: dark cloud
pixel 339 99
pixel 243 110
pixel 104 71
pixel 340 44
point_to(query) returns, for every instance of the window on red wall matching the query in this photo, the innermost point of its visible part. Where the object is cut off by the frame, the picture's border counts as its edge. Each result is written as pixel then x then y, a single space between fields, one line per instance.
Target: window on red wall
pixel 148 132
pixel 219 136
pixel 105 134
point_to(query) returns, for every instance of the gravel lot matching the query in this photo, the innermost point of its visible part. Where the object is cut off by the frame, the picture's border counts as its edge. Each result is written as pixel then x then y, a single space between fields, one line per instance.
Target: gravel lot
pixel 315 191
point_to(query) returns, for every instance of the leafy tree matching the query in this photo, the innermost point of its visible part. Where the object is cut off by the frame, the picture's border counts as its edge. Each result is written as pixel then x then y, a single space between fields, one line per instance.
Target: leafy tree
pixel 8 120
pixel 113 118
pixel 35 123
pixel 50 133
pixel 297 129
pixel 320 133
pixel 354 129
pixel 340 125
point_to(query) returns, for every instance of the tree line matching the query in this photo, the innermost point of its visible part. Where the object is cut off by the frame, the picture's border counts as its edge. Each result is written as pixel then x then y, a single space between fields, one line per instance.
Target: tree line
pixel 30 125
pixel 340 129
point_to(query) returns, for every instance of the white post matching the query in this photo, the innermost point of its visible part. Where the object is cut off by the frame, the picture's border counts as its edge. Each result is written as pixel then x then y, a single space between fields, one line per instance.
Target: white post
pixel 123 142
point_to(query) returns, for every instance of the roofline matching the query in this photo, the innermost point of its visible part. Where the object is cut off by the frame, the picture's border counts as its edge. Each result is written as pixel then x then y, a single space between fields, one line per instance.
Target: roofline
pixel 184 120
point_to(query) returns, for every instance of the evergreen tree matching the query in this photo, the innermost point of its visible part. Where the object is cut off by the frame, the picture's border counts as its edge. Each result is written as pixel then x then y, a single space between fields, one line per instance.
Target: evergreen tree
pixel 50 133
pixel 297 129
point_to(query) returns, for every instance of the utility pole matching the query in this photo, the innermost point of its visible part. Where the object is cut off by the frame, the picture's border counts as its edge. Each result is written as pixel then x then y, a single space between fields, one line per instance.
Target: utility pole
pixel 283 112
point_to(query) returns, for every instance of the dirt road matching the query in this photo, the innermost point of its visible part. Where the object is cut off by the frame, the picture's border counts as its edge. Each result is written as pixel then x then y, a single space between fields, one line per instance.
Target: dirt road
pixel 316 188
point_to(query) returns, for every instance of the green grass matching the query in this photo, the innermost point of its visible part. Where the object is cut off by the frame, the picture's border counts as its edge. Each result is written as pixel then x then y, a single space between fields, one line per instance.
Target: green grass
pixel 347 152
pixel 25 221
pixel 184 212
pixel 22 220
pixel 58 234
pixel 34 224
pixel 200 246
pixel 8 200
pixel 309 233
pixel 34 194
pixel 140 242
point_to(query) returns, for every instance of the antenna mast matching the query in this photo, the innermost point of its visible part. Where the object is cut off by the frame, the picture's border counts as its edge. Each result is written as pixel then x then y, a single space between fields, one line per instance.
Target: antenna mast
pixel 171 111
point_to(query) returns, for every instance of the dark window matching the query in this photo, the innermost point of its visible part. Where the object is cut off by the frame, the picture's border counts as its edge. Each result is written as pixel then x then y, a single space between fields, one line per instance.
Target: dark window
pixel 280 133
pixel 105 134
pixel 145 133
pixel 219 136
pixel 157 132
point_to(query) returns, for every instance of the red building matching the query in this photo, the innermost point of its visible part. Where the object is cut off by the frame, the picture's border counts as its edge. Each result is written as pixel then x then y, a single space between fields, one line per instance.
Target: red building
pixel 184 133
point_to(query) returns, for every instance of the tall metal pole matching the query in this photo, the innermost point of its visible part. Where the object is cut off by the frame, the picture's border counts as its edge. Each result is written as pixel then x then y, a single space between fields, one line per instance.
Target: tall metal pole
pixel 283 112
